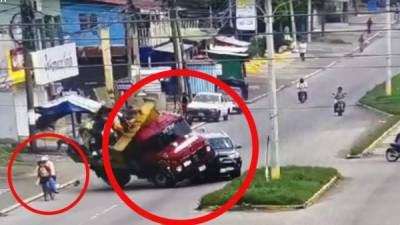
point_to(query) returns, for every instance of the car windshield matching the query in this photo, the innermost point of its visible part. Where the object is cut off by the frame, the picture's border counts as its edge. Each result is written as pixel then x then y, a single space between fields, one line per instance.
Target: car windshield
pixel 206 98
pixel 220 143
pixel 168 135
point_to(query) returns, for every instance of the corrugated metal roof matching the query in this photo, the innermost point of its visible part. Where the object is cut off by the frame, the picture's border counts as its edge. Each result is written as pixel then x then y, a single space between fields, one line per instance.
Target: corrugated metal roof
pixel 232 41
pixel 170 47
pixel 229 49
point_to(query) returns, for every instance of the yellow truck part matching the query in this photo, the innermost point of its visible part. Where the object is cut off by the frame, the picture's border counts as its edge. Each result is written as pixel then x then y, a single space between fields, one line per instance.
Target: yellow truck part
pixel 145 115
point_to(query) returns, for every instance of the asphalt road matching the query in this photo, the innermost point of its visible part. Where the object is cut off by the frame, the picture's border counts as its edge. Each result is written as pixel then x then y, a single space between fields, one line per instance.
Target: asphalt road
pixel 310 135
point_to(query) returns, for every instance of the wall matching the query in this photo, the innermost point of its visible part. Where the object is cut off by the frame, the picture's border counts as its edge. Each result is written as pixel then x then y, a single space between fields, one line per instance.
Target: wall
pixel 106 14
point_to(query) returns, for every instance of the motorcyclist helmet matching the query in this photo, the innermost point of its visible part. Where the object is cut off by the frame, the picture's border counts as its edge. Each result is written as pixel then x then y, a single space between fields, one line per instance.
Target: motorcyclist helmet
pixel 340 89
pixel 301 80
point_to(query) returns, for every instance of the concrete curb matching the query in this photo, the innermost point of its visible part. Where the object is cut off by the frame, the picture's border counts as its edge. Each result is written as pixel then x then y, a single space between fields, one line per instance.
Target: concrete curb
pixel 308 203
pixel 371 147
pixel 5 211
pixel 373 109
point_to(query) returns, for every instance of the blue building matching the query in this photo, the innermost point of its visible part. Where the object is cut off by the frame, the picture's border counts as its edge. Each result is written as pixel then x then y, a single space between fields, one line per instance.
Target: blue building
pixel 82 20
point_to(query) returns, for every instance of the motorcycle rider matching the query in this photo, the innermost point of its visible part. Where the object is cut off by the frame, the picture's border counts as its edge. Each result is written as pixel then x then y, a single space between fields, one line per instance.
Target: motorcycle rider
pixel 339 96
pixel 302 88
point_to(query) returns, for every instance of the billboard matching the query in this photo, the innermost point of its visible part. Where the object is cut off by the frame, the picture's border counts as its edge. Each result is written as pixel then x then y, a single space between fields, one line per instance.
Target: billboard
pixel 54 64
pixel 246 15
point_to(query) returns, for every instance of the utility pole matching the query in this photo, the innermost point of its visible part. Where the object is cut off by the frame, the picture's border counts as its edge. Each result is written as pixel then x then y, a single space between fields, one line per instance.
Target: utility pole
pixel 133 41
pixel 267 17
pixel 275 164
pixel 27 17
pixel 293 21
pixel 176 43
pixel 108 70
pixel 211 17
pixel 230 14
pixel 309 21
pixel 389 49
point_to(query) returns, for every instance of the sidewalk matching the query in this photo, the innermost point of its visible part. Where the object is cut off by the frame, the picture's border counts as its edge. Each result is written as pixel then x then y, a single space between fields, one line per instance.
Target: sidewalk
pixel 321 54
pixel 24 177
pixel 381 146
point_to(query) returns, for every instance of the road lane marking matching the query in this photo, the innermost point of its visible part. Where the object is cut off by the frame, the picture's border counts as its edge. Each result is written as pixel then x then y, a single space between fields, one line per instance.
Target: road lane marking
pixel 97 215
pixel 4 190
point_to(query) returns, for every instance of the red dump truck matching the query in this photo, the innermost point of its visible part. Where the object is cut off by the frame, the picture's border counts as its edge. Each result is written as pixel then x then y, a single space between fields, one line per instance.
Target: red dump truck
pixel 161 147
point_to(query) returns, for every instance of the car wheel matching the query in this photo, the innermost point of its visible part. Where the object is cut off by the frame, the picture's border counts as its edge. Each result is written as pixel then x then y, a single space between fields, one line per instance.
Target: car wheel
pixel 216 119
pixel 236 173
pixel 189 120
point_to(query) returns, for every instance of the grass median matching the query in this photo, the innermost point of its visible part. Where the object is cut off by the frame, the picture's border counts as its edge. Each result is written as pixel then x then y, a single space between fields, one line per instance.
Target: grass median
pixel 296 186
pixel 376 98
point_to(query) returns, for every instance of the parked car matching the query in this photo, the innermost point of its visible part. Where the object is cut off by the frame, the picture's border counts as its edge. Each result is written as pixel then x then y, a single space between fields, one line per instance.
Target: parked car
pixel 228 162
pixel 208 106
pixel 233 107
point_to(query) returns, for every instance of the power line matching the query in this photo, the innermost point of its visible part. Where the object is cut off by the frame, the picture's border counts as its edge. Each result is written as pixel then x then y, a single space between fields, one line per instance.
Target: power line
pixel 207 35
pixel 242 17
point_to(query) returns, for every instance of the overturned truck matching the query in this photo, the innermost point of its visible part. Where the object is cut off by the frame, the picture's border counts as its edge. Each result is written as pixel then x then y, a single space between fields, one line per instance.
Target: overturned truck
pixel 158 146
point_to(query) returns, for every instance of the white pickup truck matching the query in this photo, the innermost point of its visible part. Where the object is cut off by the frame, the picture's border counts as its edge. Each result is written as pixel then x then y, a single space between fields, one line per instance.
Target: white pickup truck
pixel 208 106
pixel 233 107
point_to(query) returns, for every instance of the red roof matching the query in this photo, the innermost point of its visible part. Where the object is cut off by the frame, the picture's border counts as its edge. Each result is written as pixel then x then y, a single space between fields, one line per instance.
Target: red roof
pixel 141 4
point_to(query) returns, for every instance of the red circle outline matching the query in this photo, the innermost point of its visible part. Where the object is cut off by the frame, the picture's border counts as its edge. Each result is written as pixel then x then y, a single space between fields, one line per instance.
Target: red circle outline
pixel 220 210
pixel 26 142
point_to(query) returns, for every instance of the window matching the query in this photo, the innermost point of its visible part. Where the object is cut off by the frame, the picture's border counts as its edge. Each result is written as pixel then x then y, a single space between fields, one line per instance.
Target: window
pixel 84 21
pixel 87 21
pixel 93 20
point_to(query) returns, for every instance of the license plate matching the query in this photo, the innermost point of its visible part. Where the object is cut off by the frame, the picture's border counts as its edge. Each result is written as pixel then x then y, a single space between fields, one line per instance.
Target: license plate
pixel 225 170
pixel 201 114
pixel 202 168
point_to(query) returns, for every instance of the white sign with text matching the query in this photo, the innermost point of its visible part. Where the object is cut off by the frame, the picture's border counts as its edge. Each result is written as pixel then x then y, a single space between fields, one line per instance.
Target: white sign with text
pixel 246 15
pixel 54 64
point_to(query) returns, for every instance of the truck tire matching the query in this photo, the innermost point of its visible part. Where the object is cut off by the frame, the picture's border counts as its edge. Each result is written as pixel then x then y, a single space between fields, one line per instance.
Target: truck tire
pixel 163 179
pixel 122 177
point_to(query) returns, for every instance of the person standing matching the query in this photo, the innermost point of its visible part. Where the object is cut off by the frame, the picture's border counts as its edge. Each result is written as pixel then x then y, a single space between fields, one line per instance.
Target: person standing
pixel 302 50
pixel 49 164
pixel 369 25
pixel 361 42
pixel 184 105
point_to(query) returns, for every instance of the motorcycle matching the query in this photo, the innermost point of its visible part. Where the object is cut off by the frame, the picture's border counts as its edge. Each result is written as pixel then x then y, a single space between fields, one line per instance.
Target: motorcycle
pixel 339 106
pixel 393 153
pixel 302 96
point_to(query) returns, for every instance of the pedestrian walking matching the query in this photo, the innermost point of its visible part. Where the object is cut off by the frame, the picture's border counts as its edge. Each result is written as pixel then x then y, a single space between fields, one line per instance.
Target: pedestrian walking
pixel 369 25
pixel 302 50
pixel 45 178
pixel 45 159
pixel 361 42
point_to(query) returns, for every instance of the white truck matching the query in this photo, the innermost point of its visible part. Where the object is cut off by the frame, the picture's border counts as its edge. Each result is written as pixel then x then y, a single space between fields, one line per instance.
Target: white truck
pixel 208 106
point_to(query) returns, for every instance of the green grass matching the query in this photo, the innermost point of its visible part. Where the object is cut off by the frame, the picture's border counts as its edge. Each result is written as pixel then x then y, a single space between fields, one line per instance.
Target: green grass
pixel 371 135
pixel 377 98
pixel 5 154
pixel 296 186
